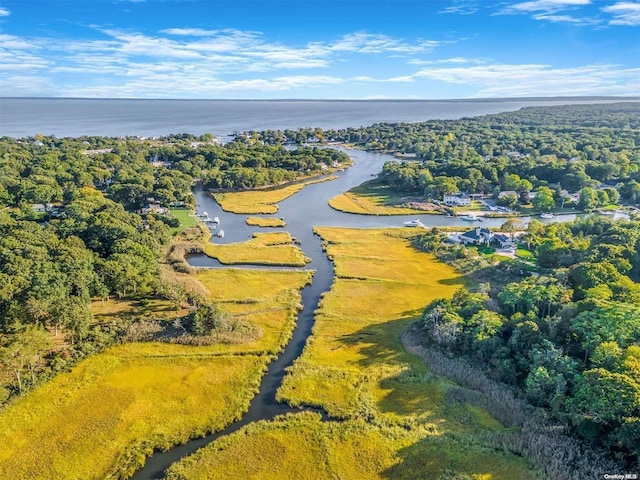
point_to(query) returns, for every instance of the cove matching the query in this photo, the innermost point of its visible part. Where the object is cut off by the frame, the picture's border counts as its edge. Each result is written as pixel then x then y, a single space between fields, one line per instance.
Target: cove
pixel 302 211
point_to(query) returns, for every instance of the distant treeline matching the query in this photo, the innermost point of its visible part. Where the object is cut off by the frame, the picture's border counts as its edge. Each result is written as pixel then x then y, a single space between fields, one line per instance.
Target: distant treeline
pixel 572 146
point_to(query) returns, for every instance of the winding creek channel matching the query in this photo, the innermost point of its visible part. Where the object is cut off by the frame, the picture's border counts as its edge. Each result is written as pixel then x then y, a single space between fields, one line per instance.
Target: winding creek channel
pixel 302 211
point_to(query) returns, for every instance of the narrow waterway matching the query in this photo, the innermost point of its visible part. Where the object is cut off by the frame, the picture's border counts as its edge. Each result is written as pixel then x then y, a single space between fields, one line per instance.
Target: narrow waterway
pixel 302 211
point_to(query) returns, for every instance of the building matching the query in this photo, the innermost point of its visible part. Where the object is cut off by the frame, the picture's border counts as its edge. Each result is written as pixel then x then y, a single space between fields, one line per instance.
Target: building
pixel 457 200
pixel 501 195
pixel 42 207
pixel 503 241
pixel 153 208
pixel 477 236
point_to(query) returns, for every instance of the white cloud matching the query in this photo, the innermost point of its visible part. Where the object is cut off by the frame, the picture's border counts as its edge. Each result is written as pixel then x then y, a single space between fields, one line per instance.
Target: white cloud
pixel 624 13
pixel 510 80
pixel 361 42
pixel 461 7
pixel 168 86
pixel 565 19
pixel 546 6
pixel 455 60
pixel 4 12
pixel 193 32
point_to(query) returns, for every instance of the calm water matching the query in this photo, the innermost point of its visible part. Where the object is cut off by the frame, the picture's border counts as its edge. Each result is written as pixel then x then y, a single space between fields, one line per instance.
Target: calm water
pixel 23 117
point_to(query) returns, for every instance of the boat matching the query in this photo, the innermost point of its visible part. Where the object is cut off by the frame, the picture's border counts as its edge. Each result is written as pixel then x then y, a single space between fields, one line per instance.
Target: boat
pixel 606 212
pixel 220 234
pixel 202 215
pixel 471 218
pixel 216 220
pixel 547 215
pixel 414 223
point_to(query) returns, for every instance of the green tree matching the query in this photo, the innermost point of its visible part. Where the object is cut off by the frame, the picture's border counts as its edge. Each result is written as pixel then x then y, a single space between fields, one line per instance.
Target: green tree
pixel 588 199
pixel 544 201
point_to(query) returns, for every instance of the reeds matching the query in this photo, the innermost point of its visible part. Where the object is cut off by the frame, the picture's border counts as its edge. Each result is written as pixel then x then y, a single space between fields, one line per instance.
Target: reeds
pixel 548 445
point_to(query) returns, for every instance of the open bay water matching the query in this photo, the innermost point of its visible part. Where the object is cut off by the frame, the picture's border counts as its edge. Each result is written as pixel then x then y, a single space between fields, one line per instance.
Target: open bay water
pixel 73 117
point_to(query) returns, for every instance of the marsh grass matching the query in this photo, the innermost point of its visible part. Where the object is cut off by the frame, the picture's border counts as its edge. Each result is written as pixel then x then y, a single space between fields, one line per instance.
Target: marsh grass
pixel 265 222
pixel 355 367
pixel 113 409
pixel 275 248
pixel 262 201
pixel 373 198
pixel 303 447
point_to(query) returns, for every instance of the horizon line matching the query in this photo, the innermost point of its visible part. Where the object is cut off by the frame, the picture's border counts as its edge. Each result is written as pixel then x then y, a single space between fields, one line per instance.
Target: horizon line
pixel 471 99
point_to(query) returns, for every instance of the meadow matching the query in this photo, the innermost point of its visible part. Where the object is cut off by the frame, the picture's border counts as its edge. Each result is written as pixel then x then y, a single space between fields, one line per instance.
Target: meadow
pixel 264 200
pixel 391 417
pixel 274 248
pixel 372 198
pixel 102 418
pixel 265 222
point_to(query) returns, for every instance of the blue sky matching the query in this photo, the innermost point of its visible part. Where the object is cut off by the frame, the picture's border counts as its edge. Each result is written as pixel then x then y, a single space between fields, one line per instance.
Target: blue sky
pixel 356 49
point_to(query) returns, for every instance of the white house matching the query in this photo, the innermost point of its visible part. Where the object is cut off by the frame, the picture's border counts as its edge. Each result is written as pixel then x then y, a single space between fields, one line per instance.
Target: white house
pixel 42 207
pixel 458 199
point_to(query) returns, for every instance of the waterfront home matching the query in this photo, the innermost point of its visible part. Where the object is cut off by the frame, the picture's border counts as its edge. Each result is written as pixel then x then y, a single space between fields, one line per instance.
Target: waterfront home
pixel 477 236
pixel 458 200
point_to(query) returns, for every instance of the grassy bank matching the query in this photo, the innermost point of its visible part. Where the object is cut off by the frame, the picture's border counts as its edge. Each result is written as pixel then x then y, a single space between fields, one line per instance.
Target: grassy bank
pixel 113 409
pixel 261 201
pixel 266 222
pixel 302 447
pixel 372 198
pixel 274 248
pixel 400 420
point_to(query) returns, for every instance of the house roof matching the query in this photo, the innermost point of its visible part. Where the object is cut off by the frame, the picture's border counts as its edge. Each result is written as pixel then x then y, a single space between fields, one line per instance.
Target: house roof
pixel 476 233
pixel 501 237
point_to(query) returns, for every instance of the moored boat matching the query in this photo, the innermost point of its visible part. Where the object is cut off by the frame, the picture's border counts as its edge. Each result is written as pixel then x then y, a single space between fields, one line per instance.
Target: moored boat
pixel 414 223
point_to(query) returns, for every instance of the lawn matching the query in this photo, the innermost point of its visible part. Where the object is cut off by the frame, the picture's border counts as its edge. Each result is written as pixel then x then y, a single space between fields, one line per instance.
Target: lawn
pixel 186 218
pixel 275 248
pixel 525 254
pixel 111 410
pixel 266 222
pixel 373 198
pixel 262 201
pixel 398 420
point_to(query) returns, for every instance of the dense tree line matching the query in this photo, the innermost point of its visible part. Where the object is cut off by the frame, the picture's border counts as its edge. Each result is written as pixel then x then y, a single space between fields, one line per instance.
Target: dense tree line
pixel 567 338
pixel 575 147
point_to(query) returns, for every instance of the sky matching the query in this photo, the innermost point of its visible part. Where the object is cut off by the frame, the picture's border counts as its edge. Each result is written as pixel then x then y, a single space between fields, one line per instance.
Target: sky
pixel 348 49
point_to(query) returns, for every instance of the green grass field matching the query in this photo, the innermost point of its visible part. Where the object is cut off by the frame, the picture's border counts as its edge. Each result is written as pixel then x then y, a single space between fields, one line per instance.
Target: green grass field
pixel 262 201
pixel 187 220
pixel 266 222
pixel 398 422
pixel 371 198
pixel 111 410
pixel 275 248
